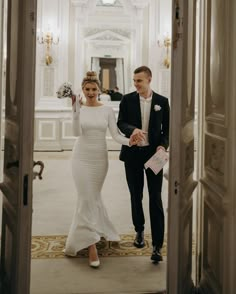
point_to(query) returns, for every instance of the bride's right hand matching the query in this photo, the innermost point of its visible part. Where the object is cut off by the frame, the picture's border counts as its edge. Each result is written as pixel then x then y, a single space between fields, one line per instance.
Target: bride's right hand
pixel 73 99
pixel 80 100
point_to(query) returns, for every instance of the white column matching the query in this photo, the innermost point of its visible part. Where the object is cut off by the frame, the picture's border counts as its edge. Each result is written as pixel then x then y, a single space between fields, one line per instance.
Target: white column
pixel 138 24
pixel 138 32
pixel 53 16
pixel 63 46
pixel 119 74
pixel 95 65
pixel 159 25
pixel 154 51
pixel 78 45
pixel 81 9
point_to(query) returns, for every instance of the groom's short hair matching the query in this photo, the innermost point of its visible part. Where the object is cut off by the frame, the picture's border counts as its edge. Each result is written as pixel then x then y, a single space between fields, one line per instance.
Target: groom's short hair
pixel 145 69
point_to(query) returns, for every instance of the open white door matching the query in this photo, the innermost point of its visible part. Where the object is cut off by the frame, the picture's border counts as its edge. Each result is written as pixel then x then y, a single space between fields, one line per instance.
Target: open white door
pixel 181 183
pixel 18 153
pixel 217 272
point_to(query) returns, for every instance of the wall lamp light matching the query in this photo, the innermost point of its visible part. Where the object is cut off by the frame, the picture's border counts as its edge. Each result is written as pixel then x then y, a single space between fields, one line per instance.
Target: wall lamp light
pixel 167 44
pixel 48 40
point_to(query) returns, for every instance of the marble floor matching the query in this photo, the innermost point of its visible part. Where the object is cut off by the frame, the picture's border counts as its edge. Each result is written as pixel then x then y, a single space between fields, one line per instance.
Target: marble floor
pixel 53 205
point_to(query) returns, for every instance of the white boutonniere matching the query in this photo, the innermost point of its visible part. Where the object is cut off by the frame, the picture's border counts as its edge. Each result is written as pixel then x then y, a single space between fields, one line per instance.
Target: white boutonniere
pixel 157 107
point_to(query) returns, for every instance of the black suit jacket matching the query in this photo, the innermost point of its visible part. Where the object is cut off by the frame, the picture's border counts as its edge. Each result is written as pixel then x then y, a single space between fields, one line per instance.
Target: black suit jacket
pixel 129 118
pixel 116 96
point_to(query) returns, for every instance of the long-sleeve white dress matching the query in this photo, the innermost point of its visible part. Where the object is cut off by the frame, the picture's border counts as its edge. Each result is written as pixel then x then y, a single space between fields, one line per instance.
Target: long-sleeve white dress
pixel 89 169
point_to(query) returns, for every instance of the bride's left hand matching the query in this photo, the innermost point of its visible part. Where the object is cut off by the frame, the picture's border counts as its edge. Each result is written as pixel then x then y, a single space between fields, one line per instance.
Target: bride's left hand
pixel 133 141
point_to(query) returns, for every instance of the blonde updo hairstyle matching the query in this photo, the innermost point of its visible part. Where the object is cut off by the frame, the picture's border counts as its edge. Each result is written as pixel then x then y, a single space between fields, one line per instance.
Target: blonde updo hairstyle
pixel 91 77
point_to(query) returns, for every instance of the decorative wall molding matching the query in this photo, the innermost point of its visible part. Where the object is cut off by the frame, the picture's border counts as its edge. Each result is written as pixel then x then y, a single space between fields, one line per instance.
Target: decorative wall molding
pixel 47 130
pixel 215 156
pixel 140 4
pixel 80 3
pixel 67 130
pixel 107 35
pixel 53 130
pixel 120 32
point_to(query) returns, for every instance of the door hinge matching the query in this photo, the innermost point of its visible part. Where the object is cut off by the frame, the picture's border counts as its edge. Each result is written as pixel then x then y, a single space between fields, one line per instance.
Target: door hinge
pixel 178 25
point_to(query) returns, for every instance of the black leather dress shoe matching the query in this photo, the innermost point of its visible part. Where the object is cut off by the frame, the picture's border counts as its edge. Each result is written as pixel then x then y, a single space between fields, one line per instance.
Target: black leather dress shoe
pixel 139 240
pixel 156 255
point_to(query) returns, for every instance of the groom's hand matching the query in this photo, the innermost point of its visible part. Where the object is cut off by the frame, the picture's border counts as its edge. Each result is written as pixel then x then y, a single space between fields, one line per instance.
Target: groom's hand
pixel 161 147
pixel 138 135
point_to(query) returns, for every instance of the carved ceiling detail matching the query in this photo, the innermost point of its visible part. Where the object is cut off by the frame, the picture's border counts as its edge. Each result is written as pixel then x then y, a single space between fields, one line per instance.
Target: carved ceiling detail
pixel 140 3
pixel 79 2
pixel 88 32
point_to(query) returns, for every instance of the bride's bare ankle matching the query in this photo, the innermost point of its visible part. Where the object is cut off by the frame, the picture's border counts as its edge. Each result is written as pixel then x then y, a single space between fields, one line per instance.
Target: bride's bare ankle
pixel 92 247
pixel 92 252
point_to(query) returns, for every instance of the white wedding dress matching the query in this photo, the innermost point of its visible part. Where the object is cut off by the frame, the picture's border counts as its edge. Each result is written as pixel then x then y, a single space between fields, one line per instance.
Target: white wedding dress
pixel 89 169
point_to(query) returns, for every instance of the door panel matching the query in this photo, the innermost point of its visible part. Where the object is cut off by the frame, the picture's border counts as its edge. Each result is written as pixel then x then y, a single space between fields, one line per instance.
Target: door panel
pixel 18 147
pixel 181 182
pixel 215 140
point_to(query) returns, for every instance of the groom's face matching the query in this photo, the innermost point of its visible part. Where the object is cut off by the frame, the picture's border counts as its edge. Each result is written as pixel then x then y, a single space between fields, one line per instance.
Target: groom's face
pixel 142 82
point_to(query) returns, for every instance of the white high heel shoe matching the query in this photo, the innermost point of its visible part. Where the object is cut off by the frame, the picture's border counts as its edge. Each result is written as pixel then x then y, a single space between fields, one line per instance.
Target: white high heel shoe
pixel 95 263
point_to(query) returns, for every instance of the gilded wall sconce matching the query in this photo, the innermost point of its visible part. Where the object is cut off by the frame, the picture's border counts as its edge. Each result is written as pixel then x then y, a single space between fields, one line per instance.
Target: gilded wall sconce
pixel 167 44
pixel 48 39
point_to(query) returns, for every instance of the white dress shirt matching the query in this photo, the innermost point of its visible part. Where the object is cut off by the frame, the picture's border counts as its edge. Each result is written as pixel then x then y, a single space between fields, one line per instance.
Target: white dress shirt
pixel 145 105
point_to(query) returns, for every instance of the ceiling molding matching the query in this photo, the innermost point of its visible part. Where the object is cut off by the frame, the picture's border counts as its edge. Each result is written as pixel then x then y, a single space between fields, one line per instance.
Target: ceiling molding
pixel 118 33
pixel 107 35
pixel 140 4
pixel 79 2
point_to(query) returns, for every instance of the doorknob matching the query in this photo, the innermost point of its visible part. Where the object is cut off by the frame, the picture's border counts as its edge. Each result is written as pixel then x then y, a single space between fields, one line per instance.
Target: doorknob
pixel 38 174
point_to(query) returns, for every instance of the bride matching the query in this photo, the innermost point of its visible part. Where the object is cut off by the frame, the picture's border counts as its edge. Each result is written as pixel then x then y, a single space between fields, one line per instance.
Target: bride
pixel 89 169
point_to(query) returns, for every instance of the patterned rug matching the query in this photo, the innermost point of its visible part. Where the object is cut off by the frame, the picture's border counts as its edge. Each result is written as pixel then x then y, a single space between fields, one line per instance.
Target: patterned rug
pixel 52 247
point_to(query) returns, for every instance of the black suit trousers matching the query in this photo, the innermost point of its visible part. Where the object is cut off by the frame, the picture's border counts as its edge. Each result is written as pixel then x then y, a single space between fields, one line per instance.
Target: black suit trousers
pixel 135 179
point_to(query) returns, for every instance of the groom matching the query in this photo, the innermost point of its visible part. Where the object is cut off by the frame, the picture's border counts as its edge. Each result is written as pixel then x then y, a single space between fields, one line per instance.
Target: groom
pixel 144 115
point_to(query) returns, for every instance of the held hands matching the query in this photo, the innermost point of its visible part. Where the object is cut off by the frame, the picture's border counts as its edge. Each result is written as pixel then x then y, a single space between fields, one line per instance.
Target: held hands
pixel 137 137
pixel 132 141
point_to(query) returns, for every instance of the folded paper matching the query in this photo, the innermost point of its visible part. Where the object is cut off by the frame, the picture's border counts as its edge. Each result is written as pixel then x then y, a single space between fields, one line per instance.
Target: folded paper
pixel 157 161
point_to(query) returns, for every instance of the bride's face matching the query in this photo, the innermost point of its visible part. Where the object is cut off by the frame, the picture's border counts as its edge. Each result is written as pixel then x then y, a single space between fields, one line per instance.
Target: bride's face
pixel 91 91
